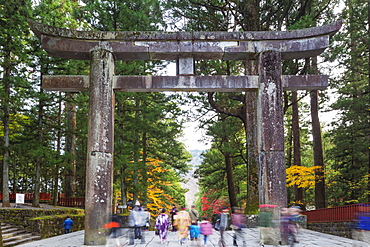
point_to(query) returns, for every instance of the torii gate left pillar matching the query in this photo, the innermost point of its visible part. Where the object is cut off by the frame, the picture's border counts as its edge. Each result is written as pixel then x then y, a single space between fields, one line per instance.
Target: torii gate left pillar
pixel 102 48
pixel 99 165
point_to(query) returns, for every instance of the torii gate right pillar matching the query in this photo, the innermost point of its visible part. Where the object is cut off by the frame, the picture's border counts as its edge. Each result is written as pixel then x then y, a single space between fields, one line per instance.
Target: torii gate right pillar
pixel 270 136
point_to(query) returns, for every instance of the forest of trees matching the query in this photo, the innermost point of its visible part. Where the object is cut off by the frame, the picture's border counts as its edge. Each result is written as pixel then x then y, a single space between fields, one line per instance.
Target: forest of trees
pixel 44 134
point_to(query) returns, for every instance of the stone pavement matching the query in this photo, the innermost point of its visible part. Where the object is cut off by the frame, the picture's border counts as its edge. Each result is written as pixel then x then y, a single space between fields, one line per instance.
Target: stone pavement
pixel 307 238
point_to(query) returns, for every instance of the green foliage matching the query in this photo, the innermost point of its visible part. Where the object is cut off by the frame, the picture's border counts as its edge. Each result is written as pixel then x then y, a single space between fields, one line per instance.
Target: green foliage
pixel 350 131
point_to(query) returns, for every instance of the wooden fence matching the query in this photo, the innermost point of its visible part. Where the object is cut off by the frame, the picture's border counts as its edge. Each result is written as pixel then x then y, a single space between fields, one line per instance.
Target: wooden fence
pixel 71 201
pixel 335 214
pixel 28 197
pixel 45 197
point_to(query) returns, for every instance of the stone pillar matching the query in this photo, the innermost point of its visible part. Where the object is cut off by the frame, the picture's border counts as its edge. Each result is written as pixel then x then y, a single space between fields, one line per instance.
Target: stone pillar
pixel 252 140
pixel 99 167
pixel 272 178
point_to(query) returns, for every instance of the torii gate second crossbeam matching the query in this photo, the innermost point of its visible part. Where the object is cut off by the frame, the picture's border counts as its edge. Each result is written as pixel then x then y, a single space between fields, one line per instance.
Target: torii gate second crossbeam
pixel 103 48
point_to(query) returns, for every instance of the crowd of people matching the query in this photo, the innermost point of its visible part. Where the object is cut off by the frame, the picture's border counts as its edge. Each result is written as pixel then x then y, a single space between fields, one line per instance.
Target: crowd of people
pixel 187 224
pixel 277 226
pixel 274 229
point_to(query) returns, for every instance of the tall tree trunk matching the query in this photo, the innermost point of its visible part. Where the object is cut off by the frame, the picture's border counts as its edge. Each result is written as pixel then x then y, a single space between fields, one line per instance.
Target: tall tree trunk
pixel 136 156
pixel 144 167
pixel 298 192
pixel 317 146
pixel 123 189
pixel 7 72
pixel 318 154
pixel 70 177
pixel 56 172
pixel 250 125
pixel 230 180
pixel 36 192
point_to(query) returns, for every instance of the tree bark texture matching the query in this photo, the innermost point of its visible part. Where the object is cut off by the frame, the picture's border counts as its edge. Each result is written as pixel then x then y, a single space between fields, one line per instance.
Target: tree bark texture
pixel 251 130
pixel 70 176
pixel 230 180
pixel 318 153
pixel 7 74
pixel 318 157
pixel 36 191
pixel 298 192
pixel 99 167
pixel 272 176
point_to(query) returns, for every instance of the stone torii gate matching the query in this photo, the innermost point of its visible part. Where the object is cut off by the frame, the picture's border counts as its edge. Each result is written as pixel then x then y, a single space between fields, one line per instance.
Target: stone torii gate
pixel 103 48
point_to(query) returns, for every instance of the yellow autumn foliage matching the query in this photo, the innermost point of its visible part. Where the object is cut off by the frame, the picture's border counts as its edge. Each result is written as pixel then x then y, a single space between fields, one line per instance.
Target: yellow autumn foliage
pixel 157 197
pixel 301 176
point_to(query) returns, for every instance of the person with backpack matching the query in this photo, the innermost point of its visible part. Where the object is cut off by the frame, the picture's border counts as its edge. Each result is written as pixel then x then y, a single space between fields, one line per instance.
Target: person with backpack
pixel 223 224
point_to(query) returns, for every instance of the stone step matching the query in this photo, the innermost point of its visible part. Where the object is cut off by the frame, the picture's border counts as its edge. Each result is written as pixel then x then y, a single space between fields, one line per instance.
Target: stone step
pixel 12 231
pixel 22 241
pixel 16 237
pixel 4 227
pixel 13 236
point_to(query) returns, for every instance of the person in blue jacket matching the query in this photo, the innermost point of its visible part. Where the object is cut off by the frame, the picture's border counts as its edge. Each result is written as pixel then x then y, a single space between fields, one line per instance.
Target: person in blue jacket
pixel 68 223
pixel 362 226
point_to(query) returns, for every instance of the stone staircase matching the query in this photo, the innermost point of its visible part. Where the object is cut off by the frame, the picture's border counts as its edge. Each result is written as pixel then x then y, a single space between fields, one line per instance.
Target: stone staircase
pixel 13 236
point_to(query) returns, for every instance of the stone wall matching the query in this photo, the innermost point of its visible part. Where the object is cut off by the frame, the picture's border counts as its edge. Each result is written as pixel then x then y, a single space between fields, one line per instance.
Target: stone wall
pixel 52 225
pixel 342 229
pixel 46 222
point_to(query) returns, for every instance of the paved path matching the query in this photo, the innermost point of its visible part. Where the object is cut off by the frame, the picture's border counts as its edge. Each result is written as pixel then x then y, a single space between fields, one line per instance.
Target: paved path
pixel 307 238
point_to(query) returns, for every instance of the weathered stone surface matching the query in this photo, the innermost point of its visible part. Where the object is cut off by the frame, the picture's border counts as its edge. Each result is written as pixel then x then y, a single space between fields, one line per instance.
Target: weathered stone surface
pixel 289 49
pixel 75 44
pixel 272 181
pixel 304 82
pixel 186 66
pixel 99 167
pixel 272 178
pixel 65 83
pixel 270 102
pixel 39 28
pixel 184 83
pixel 47 223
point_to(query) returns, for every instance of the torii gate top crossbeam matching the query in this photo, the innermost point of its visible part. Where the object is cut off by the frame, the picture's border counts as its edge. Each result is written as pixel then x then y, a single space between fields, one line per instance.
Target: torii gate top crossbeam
pixel 137 45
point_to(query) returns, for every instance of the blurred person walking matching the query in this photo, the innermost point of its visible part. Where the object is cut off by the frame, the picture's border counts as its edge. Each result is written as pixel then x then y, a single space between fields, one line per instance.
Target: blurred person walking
pixel 224 222
pixel 361 230
pixel 194 214
pixel 194 228
pixel 162 223
pixel 205 229
pixel 182 223
pixel 238 223
pixel 173 213
pixel 137 220
pixel 267 228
